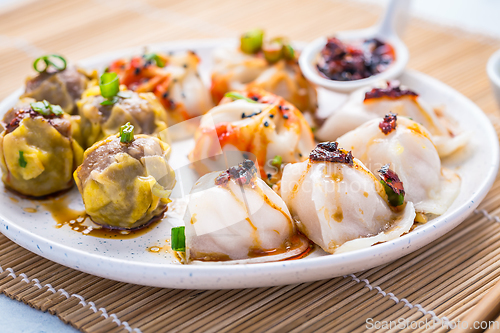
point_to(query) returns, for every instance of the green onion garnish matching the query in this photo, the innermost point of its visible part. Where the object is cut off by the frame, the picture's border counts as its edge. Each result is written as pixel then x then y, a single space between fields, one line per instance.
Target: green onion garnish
pixel 59 65
pixel 127 133
pixel 394 198
pixel 22 161
pixel 154 57
pixel 234 96
pixel 277 160
pixel 251 41
pixel 110 87
pixel 178 239
pixel 288 52
pixel 47 109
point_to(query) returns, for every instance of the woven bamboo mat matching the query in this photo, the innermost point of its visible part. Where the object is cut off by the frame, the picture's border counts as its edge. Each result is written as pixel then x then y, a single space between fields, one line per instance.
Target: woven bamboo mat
pixel 443 280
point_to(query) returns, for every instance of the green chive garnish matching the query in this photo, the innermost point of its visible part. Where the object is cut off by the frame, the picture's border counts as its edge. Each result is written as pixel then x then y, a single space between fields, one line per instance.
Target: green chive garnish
pixel 288 52
pixel 234 96
pixel 277 160
pixel 59 64
pixel 178 239
pixel 47 109
pixel 394 198
pixel 110 87
pixel 22 161
pixel 154 57
pixel 127 133
pixel 251 41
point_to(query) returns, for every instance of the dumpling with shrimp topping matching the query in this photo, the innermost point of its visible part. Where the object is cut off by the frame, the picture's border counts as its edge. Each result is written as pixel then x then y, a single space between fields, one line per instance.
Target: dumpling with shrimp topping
pixel 125 180
pixel 234 216
pixel 366 104
pixel 257 122
pixel 408 148
pixel 270 65
pixel 174 79
pixel 104 108
pixel 340 205
pixel 58 82
pixel 37 152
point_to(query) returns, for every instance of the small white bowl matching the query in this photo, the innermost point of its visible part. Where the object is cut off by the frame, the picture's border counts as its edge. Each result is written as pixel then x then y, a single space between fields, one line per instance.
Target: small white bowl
pixel 493 70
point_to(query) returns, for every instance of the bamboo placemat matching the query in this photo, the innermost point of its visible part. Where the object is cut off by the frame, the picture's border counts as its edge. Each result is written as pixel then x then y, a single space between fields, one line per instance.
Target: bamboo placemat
pixel 441 281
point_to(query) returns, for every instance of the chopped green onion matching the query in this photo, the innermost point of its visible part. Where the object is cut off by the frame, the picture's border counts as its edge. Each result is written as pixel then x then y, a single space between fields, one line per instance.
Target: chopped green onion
pixel 288 52
pixel 22 161
pixel 178 239
pixel 48 60
pixel 251 41
pixel 110 101
pixel 234 96
pixel 273 51
pixel 109 84
pixel 47 109
pixel 127 133
pixel 154 57
pixel 394 198
pixel 277 160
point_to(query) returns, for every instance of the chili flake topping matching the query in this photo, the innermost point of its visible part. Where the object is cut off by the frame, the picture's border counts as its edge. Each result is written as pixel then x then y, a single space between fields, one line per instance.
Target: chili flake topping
pixel 242 174
pixel 329 152
pixel 393 91
pixel 389 123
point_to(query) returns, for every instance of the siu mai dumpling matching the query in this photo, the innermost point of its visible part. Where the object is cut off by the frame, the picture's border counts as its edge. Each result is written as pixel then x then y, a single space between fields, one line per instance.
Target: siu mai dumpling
pixel 409 150
pixel 125 180
pixel 255 122
pixel 234 216
pixel 340 205
pixel 270 65
pixel 366 104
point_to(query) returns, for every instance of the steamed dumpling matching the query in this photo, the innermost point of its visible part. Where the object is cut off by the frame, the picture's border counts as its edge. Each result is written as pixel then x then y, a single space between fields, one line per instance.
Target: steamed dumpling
pixel 234 215
pixel 99 121
pixel 63 88
pixel 174 79
pixel 236 70
pixel 259 123
pixel 366 104
pixel 37 152
pixel 408 147
pixel 124 185
pixel 339 204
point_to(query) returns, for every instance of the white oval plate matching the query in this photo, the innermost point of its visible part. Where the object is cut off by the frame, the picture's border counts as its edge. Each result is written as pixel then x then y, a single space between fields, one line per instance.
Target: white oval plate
pixel 128 260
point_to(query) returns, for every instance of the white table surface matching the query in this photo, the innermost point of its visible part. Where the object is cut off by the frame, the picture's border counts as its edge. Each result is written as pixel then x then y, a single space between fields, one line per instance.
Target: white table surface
pixel 479 16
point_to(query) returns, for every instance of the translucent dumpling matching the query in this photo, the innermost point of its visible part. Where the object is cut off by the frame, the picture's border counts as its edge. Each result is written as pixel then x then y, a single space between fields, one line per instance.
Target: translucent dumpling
pixel 366 104
pixel 173 78
pixel 409 150
pixel 234 215
pixel 339 204
pixel 235 69
pixel 125 182
pixel 255 122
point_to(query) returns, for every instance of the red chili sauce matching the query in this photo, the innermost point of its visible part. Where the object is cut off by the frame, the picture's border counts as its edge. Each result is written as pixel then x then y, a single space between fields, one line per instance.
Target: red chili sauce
pixel 347 62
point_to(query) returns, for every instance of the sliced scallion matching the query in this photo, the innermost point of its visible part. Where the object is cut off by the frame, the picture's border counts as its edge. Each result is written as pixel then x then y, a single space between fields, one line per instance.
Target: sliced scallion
pixel 48 60
pixel 47 109
pixel 251 41
pixel 234 96
pixel 127 133
pixel 394 198
pixel 178 239
pixel 277 160
pixel 22 160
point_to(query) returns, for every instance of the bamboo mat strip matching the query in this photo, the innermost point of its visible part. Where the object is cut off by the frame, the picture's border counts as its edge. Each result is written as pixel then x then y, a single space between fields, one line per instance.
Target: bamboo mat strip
pixel 440 282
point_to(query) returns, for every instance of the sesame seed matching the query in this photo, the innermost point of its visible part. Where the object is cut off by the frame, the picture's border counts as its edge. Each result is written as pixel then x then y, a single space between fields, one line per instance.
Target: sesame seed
pixel 185 65
pixel 266 123
pixel 243 115
pixel 137 71
pixel 165 95
pixel 269 176
pixel 271 116
pixel 285 116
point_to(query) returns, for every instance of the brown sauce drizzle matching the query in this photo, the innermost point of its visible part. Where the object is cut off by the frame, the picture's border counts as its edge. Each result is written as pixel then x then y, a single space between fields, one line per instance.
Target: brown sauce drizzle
pixel 80 222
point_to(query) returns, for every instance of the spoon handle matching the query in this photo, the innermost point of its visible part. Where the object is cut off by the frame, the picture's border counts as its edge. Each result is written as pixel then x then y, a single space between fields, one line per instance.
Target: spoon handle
pixel 394 19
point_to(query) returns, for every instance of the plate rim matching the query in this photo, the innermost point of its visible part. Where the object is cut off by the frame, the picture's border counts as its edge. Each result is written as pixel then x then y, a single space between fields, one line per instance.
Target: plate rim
pixel 272 273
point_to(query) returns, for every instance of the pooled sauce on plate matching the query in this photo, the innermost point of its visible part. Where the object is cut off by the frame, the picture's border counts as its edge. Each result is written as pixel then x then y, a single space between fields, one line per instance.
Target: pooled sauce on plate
pixel 80 222
pixel 347 62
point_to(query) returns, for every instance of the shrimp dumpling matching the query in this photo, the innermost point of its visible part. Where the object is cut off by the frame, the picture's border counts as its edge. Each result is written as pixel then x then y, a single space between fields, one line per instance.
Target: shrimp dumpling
pixel 255 122
pixel 234 215
pixel 339 204
pixel 409 150
pixel 364 105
